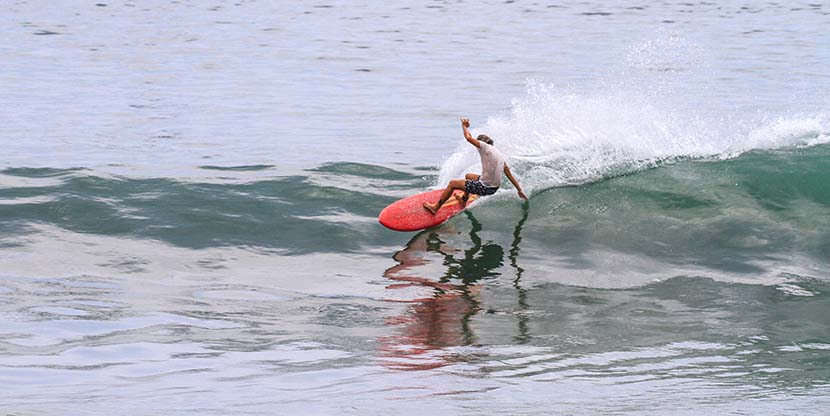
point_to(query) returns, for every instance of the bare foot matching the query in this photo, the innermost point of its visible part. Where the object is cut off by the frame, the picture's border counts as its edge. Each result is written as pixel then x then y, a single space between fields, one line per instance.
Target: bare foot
pixel 430 207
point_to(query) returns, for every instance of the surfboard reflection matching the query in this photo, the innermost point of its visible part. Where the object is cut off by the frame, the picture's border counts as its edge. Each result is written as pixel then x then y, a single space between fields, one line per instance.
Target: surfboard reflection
pixel 439 315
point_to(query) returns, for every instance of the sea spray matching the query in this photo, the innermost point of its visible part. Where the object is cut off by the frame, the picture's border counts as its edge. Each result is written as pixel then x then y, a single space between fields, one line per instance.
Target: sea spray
pixel 640 114
pixel 553 136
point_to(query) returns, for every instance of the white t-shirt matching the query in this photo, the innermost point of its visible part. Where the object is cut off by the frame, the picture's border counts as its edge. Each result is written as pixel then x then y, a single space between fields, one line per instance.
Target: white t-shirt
pixel 492 165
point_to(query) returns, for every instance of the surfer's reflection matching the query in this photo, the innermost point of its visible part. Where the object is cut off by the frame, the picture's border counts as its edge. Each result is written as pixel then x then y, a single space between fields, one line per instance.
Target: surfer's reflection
pixel 441 317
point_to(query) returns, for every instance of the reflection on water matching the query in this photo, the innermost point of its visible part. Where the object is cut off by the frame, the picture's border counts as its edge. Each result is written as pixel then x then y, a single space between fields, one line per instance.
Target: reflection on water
pixel 442 318
pixel 472 313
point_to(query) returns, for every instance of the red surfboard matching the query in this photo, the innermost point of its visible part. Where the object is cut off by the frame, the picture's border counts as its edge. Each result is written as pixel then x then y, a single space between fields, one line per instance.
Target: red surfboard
pixel 409 214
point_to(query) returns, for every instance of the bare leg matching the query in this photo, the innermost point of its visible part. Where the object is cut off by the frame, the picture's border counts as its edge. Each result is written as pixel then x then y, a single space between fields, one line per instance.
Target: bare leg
pixel 469 177
pixel 452 186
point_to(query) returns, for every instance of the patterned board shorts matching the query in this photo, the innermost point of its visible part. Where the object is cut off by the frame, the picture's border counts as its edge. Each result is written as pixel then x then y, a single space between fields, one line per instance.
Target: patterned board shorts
pixel 478 188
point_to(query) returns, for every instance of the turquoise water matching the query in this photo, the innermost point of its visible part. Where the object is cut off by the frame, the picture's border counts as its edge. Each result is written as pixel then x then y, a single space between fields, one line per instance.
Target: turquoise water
pixel 189 193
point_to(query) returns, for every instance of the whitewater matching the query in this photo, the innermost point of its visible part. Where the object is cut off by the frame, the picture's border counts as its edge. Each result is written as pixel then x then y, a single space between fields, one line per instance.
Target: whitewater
pixel 640 113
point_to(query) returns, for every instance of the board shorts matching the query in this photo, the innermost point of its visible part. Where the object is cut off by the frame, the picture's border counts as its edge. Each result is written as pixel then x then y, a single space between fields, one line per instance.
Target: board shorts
pixel 478 188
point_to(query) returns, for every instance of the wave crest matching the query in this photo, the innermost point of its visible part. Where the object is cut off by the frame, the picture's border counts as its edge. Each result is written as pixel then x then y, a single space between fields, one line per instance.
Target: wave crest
pixel 554 136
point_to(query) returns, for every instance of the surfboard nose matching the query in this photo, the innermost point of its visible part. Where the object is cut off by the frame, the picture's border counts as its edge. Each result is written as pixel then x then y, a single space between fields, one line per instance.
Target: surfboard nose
pixel 384 218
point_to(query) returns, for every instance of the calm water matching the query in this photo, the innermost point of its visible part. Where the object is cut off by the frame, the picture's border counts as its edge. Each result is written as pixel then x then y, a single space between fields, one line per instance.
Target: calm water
pixel 189 192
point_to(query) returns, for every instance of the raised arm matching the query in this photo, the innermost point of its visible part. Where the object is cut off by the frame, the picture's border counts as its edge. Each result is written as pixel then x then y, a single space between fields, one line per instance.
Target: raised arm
pixel 514 182
pixel 465 124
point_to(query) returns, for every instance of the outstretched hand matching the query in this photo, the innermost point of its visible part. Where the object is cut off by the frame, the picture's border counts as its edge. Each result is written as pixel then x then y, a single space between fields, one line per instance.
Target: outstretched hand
pixel 522 195
pixel 465 122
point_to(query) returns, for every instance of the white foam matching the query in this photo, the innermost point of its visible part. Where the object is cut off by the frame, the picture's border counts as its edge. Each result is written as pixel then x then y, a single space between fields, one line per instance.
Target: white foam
pixel 555 137
pixel 643 114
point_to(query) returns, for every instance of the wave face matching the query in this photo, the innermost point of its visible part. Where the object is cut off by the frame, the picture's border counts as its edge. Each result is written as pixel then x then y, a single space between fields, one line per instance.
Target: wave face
pixel 760 214
pixel 755 215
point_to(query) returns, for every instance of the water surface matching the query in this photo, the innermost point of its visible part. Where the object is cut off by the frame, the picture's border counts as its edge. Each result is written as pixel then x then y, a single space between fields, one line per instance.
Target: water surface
pixel 189 192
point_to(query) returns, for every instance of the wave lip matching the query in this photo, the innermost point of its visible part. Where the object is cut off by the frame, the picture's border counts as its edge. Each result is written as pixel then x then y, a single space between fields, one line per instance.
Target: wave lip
pixel 554 137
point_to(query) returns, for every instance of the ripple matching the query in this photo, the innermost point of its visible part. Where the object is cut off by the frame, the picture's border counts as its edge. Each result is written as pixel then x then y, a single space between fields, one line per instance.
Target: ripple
pixel 57 310
pixel 240 168
pixel 242 294
pixel 794 290
pixel 61 331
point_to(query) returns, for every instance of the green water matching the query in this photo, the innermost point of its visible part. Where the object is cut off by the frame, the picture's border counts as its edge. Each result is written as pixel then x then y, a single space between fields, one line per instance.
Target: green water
pixel 702 282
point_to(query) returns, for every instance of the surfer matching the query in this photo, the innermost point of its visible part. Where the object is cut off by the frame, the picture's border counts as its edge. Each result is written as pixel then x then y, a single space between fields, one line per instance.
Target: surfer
pixel 492 166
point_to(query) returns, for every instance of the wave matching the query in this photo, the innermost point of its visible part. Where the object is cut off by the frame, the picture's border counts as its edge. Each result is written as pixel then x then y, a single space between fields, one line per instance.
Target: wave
pixel 761 213
pixel 240 168
pixel 292 214
pixel 554 136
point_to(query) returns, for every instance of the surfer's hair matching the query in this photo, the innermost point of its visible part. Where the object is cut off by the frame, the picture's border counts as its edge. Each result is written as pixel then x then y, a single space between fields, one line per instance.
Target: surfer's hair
pixel 485 138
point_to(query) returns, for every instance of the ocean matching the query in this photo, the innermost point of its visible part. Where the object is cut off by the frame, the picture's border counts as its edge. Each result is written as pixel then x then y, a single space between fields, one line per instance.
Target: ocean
pixel 189 194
